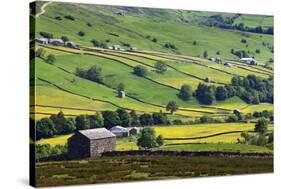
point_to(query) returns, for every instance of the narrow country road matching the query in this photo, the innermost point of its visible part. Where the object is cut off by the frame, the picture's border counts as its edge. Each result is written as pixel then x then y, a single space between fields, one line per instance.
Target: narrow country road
pixel 43 9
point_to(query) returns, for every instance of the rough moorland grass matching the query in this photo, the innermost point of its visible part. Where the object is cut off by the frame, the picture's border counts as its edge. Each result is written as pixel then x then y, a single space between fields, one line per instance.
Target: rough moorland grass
pixel 129 168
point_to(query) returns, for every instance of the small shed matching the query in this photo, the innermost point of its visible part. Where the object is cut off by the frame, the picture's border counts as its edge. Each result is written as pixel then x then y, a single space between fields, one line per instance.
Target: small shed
pixel 134 131
pixel 116 47
pixel 208 79
pixel 42 40
pixel 90 143
pixel 218 60
pixel 132 49
pixel 119 131
pixel 122 94
pixel 56 42
pixel 72 45
pixel 237 112
pixel 228 64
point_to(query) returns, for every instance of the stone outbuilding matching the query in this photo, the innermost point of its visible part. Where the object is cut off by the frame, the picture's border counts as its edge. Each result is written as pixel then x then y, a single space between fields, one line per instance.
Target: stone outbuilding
pixel 134 131
pixel 121 94
pixel 90 143
pixel 119 131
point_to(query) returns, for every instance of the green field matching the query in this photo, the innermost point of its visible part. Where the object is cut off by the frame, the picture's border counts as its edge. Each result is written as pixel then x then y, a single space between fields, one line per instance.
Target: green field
pixel 57 88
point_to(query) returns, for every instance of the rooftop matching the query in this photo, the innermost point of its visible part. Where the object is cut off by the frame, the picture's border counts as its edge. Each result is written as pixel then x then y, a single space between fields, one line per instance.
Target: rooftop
pixel 97 133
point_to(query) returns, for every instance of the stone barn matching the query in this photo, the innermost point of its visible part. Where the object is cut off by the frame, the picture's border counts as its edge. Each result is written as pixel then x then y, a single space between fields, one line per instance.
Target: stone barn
pixel 90 143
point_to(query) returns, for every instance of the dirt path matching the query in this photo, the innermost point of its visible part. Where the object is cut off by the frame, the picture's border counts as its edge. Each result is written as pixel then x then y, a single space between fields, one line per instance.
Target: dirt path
pixel 43 9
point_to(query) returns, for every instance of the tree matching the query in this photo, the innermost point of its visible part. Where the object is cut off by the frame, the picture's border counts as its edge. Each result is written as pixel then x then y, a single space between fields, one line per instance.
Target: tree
pixel 121 87
pixel 154 40
pixel 172 106
pixel 258 51
pixel 124 117
pixel 82 122
pixel 221 93
pixel 261 125
pixel 185 92
pixel 161 66
pixel 45 128
pixel 61 123
pixel 111 119
pixel 205 54
pixel 93 74
pixel 140 71
pixel 243 41
pixel 194 43
pixel 160 140
pixel 81 33
pixel 40 53
pixel 68 126
pixel 146 119
pixel 159 118
pixel 147 139
pixel 218 52
pixel 65 39
pixel 96 121
pixel 205 94
pixel 134 118
pixel 51 59
pixel 46 35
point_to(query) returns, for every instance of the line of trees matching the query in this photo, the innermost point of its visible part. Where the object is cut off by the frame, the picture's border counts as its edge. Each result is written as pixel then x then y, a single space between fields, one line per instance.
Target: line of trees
pixel 58 124
pixel 251 89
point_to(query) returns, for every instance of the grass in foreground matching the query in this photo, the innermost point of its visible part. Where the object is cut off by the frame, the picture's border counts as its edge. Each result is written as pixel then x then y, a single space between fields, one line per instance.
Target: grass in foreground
pixel 134 168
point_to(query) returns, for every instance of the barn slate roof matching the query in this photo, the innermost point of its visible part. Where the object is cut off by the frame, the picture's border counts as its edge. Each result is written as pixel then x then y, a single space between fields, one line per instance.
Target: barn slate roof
pixel 100 133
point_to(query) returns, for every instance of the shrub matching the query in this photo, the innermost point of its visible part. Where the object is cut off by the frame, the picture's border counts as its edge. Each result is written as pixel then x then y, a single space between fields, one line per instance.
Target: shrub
pixel 51 59
pixel 185 92
pixel 81 33
pixel 58 18
pixel 140 71
pixel 243 41
pixel 161 66
pixel 69 17
pixel 46 35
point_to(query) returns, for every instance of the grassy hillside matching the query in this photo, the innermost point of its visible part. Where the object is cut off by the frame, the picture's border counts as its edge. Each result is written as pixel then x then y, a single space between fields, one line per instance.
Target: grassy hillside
pixel 133 28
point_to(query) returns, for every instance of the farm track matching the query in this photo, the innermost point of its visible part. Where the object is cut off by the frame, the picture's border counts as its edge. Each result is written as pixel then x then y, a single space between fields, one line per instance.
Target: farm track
pixel 209 136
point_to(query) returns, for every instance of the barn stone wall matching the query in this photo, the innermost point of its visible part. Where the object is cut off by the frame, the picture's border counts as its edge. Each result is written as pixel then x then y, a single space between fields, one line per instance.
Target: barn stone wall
pixel 99 146
pixel 78 147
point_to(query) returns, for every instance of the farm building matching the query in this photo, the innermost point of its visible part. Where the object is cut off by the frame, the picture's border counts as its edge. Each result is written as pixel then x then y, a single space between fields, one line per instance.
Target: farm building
pixel 116 47
pixel 42 40
pixel 56 42
pixel 90 143
pixel 208 79
pixel 227 64
pixel 132 49
pixel 122 94
pixel 134 131
pixel 72 45
pixel 250 61
pixel 120 131
pixel 212 59
pixel 218 60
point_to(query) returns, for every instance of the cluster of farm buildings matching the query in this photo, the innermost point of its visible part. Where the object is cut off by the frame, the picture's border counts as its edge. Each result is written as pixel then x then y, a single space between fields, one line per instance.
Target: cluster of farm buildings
pixel 93 142
pixel 249 61
pixel 60 42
